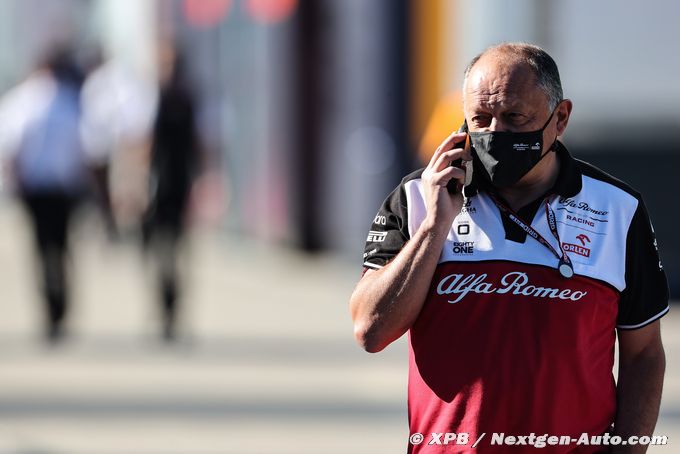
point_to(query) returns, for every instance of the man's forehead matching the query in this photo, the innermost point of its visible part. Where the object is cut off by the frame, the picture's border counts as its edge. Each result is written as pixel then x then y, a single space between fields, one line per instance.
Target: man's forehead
pixel 500 73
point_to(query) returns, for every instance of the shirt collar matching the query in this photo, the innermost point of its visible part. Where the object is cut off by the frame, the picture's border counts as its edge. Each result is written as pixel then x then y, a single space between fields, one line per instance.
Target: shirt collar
pixel 567 184
pixel 569 178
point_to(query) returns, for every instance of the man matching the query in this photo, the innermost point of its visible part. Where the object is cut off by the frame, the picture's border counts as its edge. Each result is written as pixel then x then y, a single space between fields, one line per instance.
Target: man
pixel 514 283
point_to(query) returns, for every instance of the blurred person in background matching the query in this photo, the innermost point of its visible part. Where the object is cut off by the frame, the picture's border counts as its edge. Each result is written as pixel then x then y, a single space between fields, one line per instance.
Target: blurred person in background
pixel 513 267
pixel 173 165
pixel 40 134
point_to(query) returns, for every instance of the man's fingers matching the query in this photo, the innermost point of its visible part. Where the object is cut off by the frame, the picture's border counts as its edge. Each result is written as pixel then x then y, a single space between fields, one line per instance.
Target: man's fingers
pixel 454 138
pixel 450 173
pixel 447 144
pixel 447 157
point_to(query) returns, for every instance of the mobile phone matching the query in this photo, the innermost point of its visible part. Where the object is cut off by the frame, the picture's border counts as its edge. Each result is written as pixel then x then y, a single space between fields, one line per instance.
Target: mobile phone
pixel 452 185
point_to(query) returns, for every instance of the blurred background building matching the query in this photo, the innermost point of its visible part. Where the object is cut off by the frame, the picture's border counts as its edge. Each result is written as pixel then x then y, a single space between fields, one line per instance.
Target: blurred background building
pixel 312 110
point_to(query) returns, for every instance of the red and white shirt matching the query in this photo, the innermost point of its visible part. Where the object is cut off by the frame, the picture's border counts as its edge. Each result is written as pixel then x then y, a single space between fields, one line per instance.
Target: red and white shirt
pixel 504 343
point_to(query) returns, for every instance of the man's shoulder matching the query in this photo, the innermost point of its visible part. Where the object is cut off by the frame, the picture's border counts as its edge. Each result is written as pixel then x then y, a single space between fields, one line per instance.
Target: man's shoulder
pixel 402 195
pixel 415 175
pixel 601 177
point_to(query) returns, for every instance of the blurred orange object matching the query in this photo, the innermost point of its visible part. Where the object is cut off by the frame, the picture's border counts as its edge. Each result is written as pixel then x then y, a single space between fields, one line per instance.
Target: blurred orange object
pixel 446 118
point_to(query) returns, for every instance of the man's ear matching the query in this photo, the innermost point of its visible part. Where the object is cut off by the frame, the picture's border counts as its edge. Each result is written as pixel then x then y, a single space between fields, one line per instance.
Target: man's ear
pixel 563 111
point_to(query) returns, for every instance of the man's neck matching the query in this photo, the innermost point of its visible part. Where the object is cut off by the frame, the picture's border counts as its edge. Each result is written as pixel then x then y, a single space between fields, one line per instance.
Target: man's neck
pixel 534 184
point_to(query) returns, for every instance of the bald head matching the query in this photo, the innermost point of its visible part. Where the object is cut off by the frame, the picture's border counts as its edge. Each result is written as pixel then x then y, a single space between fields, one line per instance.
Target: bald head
pixel 516 59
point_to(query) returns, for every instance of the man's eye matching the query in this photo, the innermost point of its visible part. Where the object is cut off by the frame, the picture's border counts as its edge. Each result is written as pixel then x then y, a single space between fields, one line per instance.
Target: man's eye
pixel 480 120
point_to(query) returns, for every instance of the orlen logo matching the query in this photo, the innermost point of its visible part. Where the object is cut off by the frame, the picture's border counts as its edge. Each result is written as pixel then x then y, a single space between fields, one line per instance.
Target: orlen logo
pixel 575 248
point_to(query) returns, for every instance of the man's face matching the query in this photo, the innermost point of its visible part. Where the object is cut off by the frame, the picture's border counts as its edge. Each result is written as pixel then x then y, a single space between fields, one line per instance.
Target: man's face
pixel 502 95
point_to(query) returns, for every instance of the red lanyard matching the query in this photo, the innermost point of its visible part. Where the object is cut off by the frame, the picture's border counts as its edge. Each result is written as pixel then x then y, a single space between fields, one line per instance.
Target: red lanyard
pixel 565 267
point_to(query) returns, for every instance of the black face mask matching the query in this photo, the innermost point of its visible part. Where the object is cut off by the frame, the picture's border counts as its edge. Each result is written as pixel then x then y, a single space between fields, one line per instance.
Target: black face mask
pixel 508 156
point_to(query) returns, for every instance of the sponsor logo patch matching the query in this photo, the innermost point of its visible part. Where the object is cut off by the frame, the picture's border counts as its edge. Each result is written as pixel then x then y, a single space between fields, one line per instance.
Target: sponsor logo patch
pixel 467 206
pixel 582 206
pixel 583 238
pixel 380 219
pixel 580 220
pixel 576 249
pixel 463 247
pixel 581 249
pixel 371 252
pixel 376 237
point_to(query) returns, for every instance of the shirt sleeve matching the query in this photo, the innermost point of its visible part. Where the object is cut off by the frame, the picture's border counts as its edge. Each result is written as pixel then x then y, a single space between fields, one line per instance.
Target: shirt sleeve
pixel 389 232
pixel 645 298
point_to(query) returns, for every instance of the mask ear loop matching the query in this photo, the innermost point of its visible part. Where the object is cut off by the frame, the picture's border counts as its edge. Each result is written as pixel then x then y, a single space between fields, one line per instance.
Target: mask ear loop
pixel 554 143
pixel 552 148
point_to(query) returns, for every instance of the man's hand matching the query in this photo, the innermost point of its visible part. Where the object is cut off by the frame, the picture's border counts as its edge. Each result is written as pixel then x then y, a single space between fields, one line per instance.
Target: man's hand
pixel 386 302
pixel 442 207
